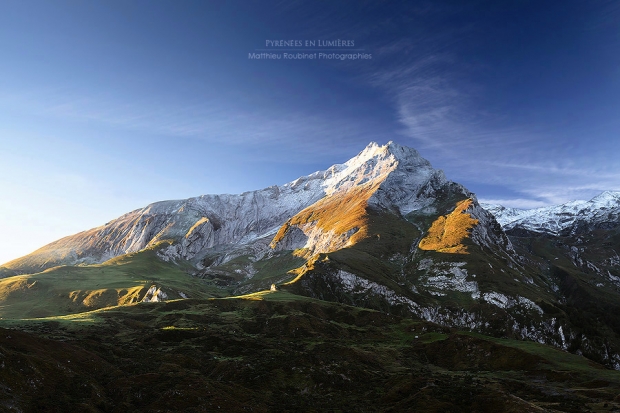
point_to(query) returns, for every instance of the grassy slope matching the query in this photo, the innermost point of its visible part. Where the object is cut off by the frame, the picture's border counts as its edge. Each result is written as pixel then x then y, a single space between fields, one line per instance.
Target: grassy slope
pixel 386 235
pixel 243 274
pixel 123 280
pixel 279 352
pixel 338 213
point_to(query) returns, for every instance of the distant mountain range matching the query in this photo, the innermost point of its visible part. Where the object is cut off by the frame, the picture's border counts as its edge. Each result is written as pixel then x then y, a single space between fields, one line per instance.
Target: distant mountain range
pixel 602 211
pixel 384 230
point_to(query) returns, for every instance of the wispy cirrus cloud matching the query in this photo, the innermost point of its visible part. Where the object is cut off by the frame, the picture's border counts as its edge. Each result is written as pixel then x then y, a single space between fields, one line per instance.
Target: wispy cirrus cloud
pixel 541 185
pixel 520 203
pixel 283 129
pixel 437 104
pixel 439 108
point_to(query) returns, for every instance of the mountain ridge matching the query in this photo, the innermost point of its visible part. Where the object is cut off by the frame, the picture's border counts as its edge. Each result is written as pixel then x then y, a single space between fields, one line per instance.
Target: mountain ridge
pixel 603 210
pixel 210 221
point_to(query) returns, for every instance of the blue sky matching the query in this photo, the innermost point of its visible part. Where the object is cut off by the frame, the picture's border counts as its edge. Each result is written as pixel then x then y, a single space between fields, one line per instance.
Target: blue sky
pixel 106 106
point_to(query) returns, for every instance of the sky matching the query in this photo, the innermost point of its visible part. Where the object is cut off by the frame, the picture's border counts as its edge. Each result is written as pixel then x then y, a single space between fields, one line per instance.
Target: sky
pixel 107 106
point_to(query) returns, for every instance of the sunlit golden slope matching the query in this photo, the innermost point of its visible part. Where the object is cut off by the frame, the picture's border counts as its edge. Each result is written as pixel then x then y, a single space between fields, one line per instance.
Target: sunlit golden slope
pixel 334 222
pixel 447 233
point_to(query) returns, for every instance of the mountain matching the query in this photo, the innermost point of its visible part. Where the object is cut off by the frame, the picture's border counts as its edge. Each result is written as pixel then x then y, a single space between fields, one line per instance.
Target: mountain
pixel 384 230
pixel 222 225
pixel 381 200
pixel 213 229
pixel 602 212
pixel 576 246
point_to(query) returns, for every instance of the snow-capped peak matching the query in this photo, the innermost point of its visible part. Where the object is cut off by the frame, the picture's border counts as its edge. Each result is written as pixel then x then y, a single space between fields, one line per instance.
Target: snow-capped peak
pixel 374 164
pixel 607 198
pixel 603 209
pixel 396 178
pixel 390 150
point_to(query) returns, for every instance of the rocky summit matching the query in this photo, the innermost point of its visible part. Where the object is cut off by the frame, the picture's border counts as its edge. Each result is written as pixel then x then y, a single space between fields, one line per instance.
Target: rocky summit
pixel 180 303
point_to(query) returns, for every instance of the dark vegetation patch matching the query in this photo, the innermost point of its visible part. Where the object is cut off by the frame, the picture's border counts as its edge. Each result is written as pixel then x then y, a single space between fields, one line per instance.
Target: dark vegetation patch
pixel 580 268
pixel 284 354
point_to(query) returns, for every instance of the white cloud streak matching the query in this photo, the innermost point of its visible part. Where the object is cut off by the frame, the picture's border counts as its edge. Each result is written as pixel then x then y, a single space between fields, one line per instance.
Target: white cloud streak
pixel 437 107
pixel 519 203
pixel 284 130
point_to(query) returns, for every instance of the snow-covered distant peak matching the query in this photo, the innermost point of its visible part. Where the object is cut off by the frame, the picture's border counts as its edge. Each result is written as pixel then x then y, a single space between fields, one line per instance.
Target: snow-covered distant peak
pixel 603 208
pixel 505 215
pixel 607 198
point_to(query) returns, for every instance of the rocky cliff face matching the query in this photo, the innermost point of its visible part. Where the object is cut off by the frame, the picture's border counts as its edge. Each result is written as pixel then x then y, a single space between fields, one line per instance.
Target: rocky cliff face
pixel 194 226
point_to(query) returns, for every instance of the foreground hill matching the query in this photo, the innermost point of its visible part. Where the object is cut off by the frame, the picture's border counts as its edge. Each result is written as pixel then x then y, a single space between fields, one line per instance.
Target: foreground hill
pixel 275 351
